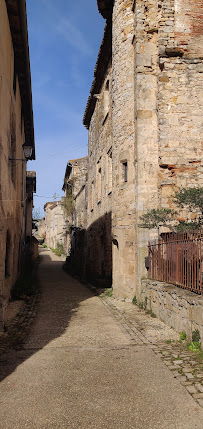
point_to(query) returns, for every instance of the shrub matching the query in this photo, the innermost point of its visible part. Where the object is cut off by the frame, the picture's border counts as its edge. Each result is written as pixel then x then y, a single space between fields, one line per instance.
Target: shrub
pixel 183 336
pixel 59 249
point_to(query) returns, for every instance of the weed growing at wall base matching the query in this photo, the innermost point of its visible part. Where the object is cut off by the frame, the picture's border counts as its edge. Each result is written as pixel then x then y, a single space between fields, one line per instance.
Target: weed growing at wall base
pixel 59 249
pixel 183 336
pixel 195 345
pixel 151 313
pixel 109 291
pixel 134 300
pixel 143 306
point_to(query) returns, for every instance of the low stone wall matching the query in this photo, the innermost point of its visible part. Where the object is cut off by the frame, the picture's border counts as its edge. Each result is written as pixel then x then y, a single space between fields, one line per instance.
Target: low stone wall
pixel 180 309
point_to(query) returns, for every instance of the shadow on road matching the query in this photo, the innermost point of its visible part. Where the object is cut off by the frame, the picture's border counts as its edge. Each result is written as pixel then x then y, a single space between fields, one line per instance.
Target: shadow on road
pixel 60 297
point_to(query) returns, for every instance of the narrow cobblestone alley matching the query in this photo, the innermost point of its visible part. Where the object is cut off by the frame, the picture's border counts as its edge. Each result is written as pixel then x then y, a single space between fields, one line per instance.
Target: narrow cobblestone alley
pixel 80 367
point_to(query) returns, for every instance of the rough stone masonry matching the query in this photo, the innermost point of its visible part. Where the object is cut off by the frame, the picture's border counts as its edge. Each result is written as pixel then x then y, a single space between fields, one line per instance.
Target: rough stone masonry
pixel 144 116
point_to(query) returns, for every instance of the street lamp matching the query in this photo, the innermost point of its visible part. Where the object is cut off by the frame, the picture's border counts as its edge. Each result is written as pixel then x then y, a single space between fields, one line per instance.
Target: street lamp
pixel 27 149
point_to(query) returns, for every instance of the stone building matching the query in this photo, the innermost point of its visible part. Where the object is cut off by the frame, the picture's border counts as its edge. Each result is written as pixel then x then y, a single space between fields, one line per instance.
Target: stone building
pixel 55 225
pixel 75 191
pixel 145 130
pixel 38 229
pixel 30 189
pixel 75 203
pixel 16 140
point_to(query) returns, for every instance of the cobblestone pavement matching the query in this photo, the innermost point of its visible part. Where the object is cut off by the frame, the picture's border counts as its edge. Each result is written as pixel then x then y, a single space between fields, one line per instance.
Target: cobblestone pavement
pixel 19 327
pixel 186 366
pixel 139 328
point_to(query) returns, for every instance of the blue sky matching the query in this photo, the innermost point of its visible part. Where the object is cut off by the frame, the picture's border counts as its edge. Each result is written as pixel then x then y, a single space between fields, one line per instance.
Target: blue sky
pixel 64 39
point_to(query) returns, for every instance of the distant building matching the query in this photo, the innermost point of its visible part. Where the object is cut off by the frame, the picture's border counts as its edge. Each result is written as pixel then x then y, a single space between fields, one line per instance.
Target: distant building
pixel 30 189
pixel 38 229
pixel 55 225
pixel 75 190
pixel 75 201
pixel 16 137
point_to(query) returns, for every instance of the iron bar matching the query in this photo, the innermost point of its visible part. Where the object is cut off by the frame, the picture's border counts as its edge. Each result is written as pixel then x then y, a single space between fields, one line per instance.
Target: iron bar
pixel 177 259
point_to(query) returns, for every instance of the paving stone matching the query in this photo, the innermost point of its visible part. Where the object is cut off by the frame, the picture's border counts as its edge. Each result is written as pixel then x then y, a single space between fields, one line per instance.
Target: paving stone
pixel 177 362
pixel 198 396
pixel 187 369
pixel 191 389
pixel 199 387
pixel 167 362
pixel 181 378
pixel 173 367
pixel 176 373
pixel 189 375
pixel 200 401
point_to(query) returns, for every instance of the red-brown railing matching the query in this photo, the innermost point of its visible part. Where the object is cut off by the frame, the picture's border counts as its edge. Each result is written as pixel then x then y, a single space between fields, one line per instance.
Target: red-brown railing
pixel 178 259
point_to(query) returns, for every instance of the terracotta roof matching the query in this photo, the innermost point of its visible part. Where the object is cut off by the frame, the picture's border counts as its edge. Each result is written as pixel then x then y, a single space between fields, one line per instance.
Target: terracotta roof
pixel 103 60
pixel 18 25
pixel 105 7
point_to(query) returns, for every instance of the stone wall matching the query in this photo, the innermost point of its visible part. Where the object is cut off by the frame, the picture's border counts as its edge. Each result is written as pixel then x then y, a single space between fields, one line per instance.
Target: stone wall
pixel 76 183
pixel 123 150
pixel 182 310
pixel 55 225
pixel 76 198
pixel 180 100
pixel 13 131
pixel 99 187
pixel 144 119
pixel 168 107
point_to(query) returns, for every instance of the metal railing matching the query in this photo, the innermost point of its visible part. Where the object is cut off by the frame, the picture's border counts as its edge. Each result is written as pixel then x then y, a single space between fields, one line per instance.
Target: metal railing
pixel 178 259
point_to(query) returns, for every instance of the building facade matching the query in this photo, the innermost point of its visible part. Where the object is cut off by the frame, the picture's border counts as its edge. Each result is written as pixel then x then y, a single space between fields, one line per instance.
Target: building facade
pixel 75 204
pixel 16 133
pixel 55 225
pixel 145 130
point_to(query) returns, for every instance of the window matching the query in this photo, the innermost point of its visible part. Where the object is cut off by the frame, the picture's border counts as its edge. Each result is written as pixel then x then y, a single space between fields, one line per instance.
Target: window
pixel 109 171
pixel 7 255
pixel 106 100
pixel 99 184
pixel 125 171
pixel 92 196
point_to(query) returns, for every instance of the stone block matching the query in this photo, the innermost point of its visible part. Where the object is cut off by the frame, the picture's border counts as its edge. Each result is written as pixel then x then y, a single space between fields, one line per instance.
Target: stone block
pixel 197 314
pixel 144 114
pixel 143 60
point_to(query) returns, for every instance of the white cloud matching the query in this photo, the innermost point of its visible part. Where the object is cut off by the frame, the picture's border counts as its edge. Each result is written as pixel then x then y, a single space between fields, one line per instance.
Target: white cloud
pixel 66 28
pixel 73 36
